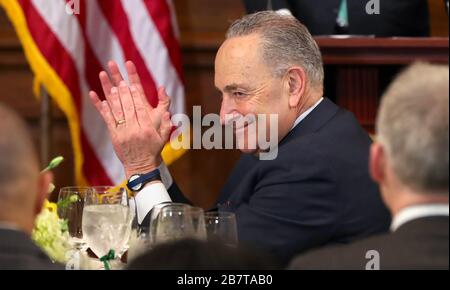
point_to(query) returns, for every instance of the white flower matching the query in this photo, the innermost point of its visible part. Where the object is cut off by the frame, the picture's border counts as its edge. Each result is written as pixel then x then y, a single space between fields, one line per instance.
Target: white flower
pixel 50 233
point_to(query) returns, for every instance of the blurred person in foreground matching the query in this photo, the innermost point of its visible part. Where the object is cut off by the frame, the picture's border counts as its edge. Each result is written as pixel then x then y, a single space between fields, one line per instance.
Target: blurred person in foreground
pixel 192 254
pixel 409 161
pixel 23 190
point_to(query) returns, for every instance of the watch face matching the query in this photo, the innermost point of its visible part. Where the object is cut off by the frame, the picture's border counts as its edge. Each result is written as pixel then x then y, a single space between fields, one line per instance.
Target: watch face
pixel 138 181
pixel 136 187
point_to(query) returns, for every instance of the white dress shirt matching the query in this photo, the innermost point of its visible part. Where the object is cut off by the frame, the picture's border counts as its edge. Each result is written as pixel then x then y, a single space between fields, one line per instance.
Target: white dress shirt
pixel 153 194
pixel 418 211
pixel 156 193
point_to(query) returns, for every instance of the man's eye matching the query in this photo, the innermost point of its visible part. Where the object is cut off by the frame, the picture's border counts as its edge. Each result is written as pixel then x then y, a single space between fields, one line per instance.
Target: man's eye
pixel 239 94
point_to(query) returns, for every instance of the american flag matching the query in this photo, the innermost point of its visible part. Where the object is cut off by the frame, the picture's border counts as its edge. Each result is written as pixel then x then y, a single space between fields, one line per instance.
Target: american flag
pixel 68 42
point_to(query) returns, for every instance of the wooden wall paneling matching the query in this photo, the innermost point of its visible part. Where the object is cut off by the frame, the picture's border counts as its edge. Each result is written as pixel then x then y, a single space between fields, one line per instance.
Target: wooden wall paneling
pixel 438 18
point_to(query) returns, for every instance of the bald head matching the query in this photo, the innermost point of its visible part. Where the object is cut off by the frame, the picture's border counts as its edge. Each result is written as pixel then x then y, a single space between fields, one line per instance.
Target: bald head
pixel 19 171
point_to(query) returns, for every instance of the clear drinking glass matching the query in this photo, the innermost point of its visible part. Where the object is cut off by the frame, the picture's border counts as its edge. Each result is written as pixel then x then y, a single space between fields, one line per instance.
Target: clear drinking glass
pixel 174 222
pixel 107 220
pixel 70 208
pixel 197 215
pixel 132 220
pixel 151 227
pixel 222 226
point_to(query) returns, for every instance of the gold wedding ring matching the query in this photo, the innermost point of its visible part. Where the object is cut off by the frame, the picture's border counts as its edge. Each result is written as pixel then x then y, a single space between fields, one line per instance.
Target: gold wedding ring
pixel 120 122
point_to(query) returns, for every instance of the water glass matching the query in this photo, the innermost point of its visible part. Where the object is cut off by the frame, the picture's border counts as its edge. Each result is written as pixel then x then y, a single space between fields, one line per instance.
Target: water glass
pixel 222 226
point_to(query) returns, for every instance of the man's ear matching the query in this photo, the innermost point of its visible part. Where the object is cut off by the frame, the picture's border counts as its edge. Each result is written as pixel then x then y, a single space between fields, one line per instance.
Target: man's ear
pixel 44 181
pixel 296 78
pixel 377 163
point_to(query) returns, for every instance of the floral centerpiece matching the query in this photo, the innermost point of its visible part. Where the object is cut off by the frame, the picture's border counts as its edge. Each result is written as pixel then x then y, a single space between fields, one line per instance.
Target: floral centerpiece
pixel 50 232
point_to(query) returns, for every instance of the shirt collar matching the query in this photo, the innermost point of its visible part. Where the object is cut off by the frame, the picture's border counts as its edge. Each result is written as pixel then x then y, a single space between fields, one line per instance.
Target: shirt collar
pixel 306 113
pixel 418 211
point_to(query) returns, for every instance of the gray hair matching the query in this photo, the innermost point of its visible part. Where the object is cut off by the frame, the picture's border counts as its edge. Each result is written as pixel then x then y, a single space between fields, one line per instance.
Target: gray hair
pixel 286 42
pixel 413 126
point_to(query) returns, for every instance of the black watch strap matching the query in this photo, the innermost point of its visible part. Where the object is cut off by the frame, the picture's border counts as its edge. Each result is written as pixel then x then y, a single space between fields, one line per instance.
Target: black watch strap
pixel 140 180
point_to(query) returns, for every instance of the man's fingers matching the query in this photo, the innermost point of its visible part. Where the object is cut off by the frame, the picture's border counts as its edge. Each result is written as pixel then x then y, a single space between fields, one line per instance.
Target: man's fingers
pixel 115 73
pixel 163 107
pixel 107 115
pixel 166 127
pixel 127 103
pixel 95 100
pixel 140 106
pixel 104 110
pixel 106 83
pixel 134 78
pixel 163 99
pixel 116 104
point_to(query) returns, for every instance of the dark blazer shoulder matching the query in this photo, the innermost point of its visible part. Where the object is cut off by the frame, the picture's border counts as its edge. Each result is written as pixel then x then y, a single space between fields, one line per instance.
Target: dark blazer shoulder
pixel 18 252
pixel 419 244
pixel 328 132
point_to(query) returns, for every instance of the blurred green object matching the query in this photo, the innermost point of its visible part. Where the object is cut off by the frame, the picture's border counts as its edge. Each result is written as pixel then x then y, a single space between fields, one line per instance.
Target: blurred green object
pixel 54 163
pixel 64 203
pixel 342 19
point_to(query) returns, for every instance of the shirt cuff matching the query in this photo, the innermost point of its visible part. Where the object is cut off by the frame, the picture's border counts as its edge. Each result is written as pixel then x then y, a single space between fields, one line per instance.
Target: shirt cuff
pixel 148 197
pixel 166 178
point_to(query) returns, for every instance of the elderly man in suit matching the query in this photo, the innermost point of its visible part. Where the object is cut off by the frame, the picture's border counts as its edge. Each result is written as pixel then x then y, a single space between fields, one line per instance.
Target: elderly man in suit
pixel 316 191
pixel 410 162
pixel 23 190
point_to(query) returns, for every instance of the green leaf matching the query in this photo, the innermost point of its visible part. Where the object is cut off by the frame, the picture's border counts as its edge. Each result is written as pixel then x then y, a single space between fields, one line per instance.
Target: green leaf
pixel 64 203
pixel 64 225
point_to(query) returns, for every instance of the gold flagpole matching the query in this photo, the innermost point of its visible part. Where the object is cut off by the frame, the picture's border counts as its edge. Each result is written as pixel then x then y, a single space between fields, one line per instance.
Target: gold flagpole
pixel 269 5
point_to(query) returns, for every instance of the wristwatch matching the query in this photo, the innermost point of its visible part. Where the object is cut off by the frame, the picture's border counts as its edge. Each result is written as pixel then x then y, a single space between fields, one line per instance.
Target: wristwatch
pixel 138 181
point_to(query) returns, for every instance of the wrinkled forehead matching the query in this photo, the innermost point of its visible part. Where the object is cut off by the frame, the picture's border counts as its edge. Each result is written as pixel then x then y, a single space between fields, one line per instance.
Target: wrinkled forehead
pixel 239 59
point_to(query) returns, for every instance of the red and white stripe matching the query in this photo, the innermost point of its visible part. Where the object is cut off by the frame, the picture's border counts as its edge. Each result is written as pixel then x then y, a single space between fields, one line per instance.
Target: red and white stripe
pixel 78 47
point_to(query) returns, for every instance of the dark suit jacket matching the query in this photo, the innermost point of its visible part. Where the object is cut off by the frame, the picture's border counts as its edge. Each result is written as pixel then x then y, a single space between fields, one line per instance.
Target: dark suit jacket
pixel 396 18
pixel 317 191
pixel 418 244
pixel 18 252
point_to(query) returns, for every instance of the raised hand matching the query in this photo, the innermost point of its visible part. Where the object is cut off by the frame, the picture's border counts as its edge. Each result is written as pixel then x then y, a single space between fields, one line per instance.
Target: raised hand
pixel 138 131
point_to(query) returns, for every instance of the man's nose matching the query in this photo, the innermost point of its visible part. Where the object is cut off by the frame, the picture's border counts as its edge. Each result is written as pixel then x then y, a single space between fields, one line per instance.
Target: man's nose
pixel 227 108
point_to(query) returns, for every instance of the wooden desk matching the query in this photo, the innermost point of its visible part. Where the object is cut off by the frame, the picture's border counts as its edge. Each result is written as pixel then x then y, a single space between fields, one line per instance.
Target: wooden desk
pixel 358 64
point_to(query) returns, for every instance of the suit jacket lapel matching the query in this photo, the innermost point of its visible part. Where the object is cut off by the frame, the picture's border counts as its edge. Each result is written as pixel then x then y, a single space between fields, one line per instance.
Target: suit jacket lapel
pixel 313 122
pixel 242 168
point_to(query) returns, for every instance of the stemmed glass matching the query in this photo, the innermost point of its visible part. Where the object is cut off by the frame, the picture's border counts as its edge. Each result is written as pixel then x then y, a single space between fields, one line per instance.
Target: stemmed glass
pixel 70 208
pixel 107 222
pixel 222 226
pixel 173 222
pixel 154 215
pixel 197 215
